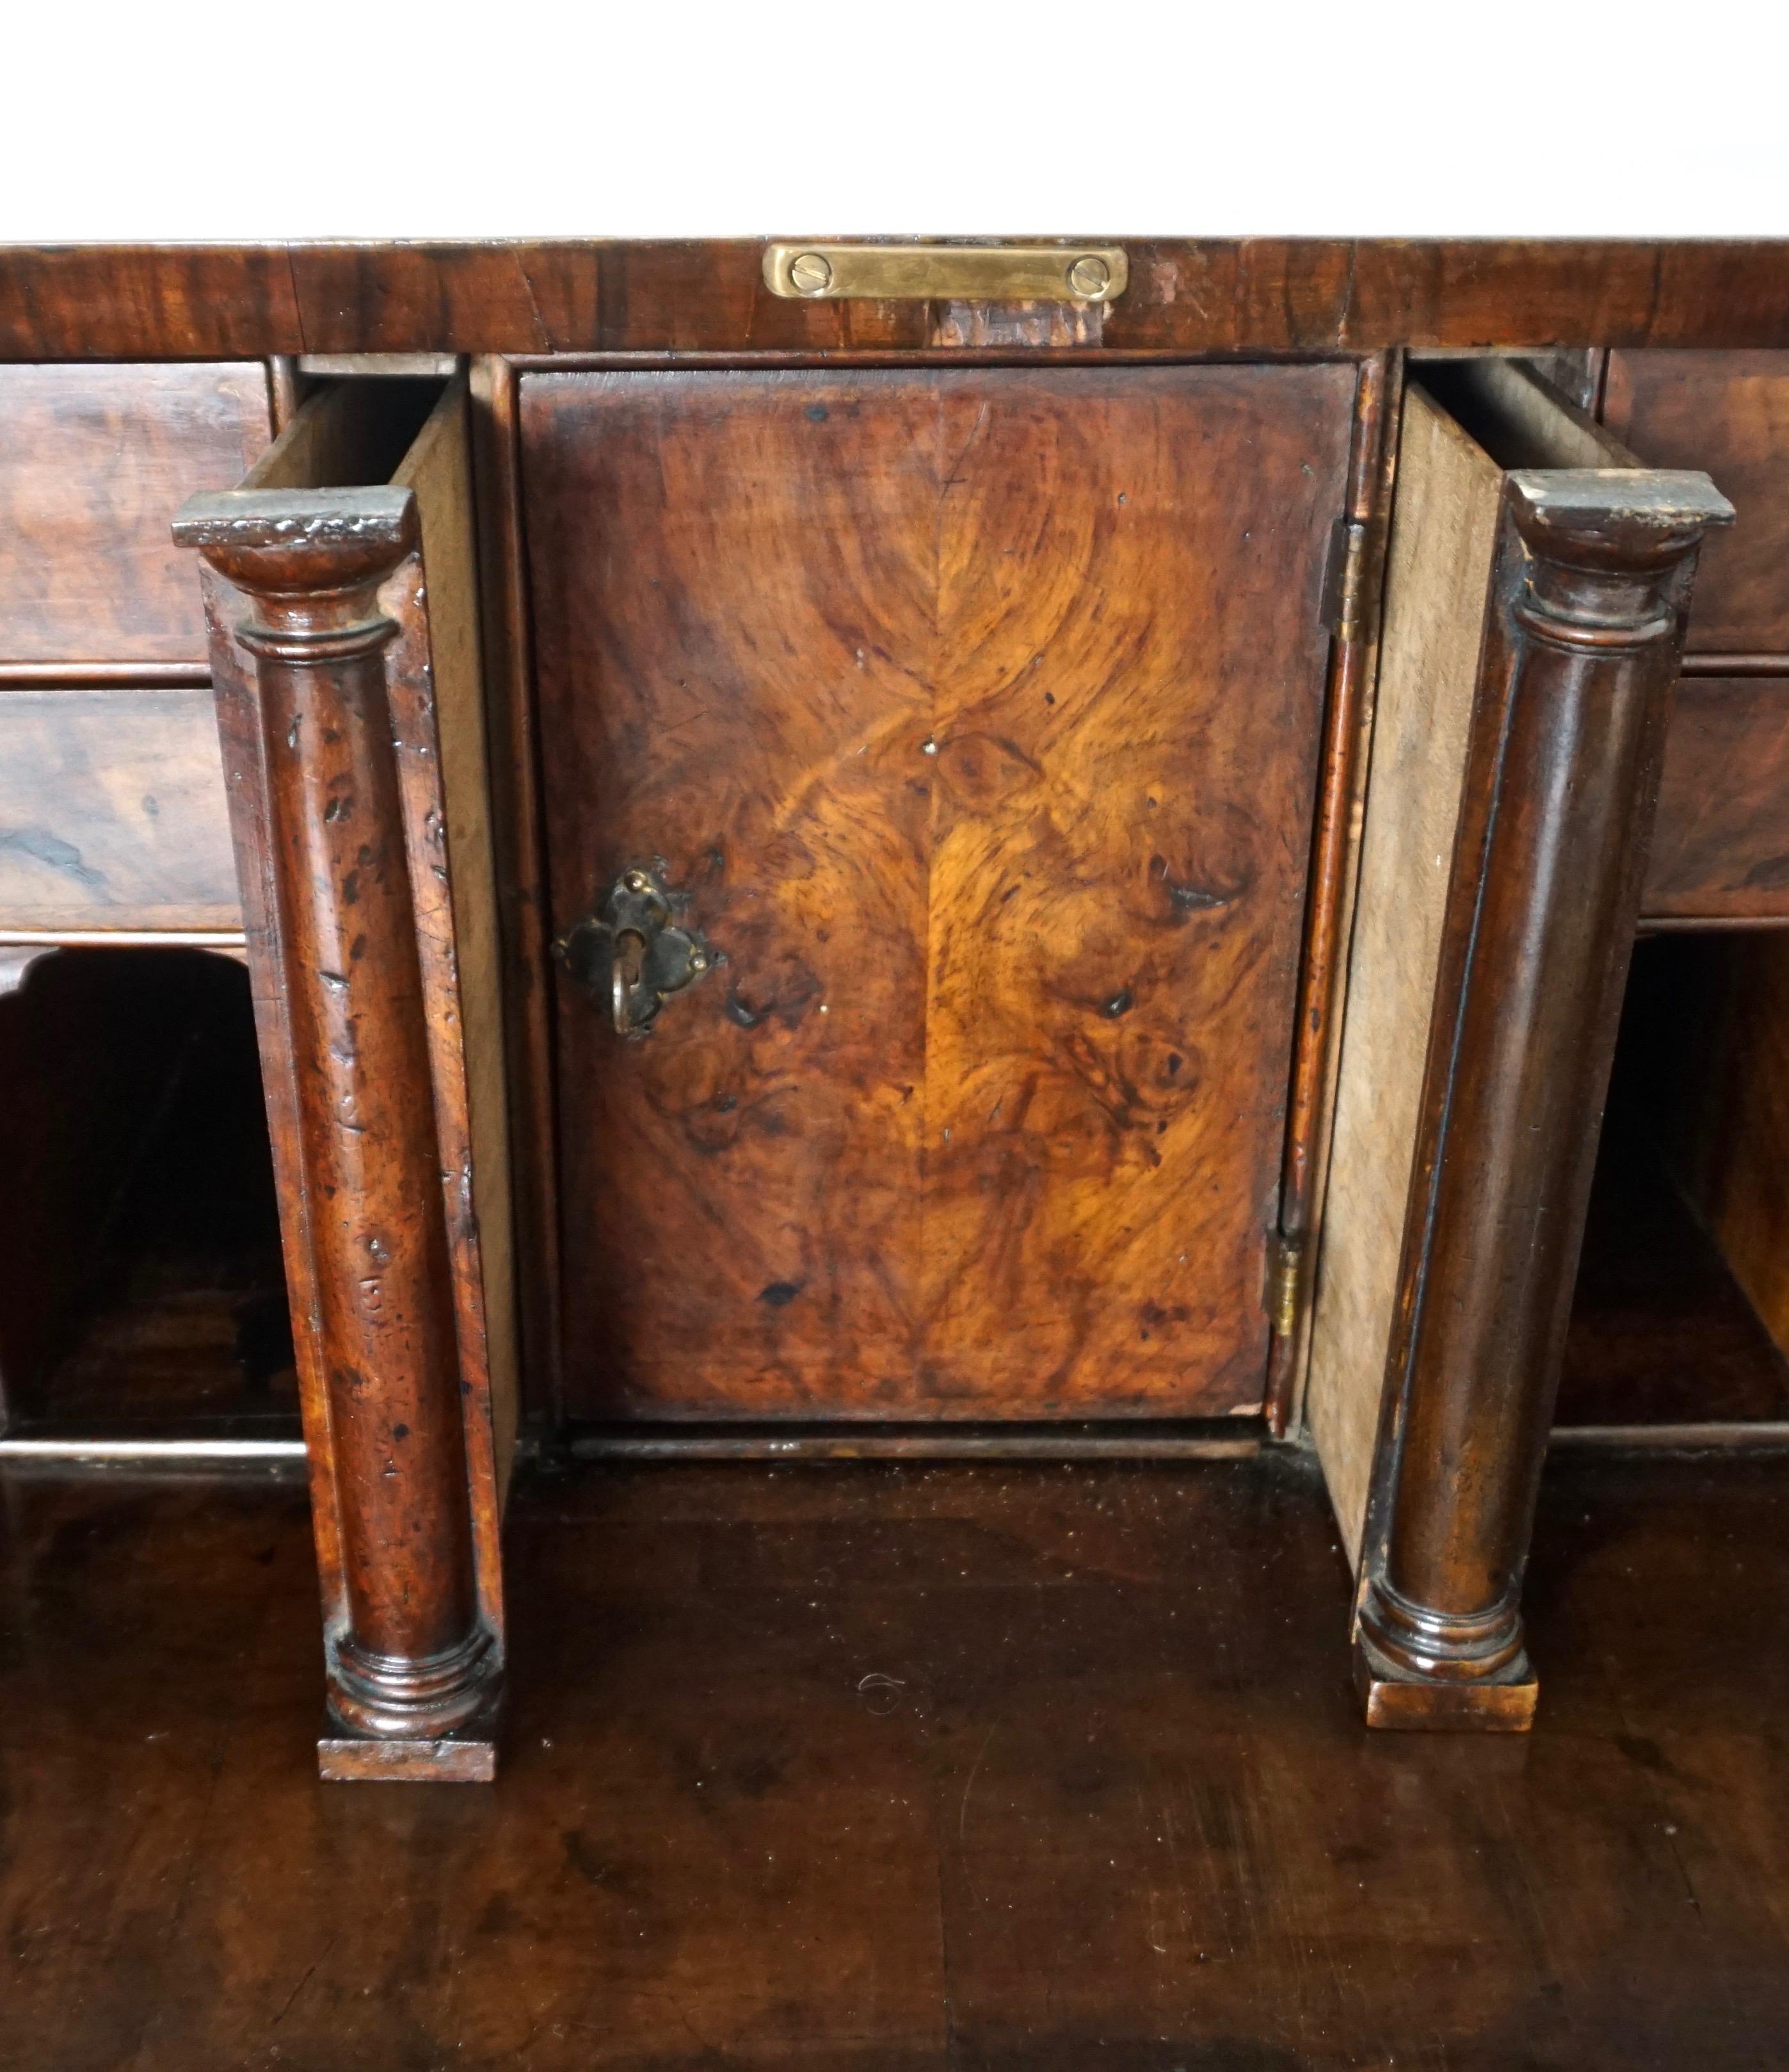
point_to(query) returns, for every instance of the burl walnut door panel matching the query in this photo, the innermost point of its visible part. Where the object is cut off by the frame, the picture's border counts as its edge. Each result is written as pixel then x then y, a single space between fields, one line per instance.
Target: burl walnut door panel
pixel 976 712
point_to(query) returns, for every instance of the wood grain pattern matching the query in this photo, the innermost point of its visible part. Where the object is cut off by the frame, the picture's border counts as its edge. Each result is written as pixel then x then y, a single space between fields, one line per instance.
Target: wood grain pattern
pixel 1218 295
pixel 112 812
pixel 1093 1805
pixel 94 464
pixel 978 712
pixel 1727 412
pixel 1444 529
pixel 1721 844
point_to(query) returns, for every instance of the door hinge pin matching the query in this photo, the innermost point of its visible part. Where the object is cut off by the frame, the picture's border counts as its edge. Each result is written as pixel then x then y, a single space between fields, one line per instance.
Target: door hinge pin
pixel 1287 1287
pixel 1347 605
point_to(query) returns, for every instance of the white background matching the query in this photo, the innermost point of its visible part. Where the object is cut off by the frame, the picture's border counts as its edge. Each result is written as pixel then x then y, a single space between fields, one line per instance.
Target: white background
pixel 1461 117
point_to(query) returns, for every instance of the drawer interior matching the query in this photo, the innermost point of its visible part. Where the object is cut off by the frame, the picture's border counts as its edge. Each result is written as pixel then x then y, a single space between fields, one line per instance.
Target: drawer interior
pixel 144 1295
pixel 1682 1310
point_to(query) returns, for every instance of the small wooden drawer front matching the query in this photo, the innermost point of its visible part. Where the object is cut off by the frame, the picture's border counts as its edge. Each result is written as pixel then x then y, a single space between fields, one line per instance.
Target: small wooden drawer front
pixel 94 462
pixel 113 813
pixel 1727 412
pixel 1720 845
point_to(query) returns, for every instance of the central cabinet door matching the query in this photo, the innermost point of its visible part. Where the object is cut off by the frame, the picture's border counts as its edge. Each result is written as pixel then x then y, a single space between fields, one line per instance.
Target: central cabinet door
pixel 975 713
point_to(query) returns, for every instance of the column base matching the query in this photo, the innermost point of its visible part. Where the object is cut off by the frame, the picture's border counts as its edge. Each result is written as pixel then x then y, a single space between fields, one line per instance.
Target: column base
pixel 412 1718
pixel 466 1756
pixel 1399 1699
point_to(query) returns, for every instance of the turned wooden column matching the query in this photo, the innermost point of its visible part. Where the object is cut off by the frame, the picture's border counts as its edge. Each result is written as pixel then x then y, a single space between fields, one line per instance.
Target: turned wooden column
pixel 410 1659
pixel 1580 654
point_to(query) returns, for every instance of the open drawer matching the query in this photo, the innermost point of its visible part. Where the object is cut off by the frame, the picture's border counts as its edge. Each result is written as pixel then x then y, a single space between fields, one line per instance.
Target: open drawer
pixel 1537 586
pixel 341 599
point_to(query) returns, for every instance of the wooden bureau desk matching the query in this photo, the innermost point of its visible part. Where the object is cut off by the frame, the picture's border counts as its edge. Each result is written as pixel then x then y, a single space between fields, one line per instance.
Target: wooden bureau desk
pixel 995 849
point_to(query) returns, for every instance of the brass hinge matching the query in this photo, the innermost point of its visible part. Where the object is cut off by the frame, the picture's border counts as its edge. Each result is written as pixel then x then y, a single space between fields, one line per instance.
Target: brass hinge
pixel 1285 1282
pixel 1349 579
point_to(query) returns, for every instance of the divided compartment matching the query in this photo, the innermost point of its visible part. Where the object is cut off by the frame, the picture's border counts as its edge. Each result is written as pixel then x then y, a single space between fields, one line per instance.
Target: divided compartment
pixel 148 1300
pixel 144 1299
pixel 1681 1321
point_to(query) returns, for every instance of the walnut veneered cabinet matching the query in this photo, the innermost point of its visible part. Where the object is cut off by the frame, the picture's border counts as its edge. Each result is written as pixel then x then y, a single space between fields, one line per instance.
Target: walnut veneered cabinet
pixel 973 718
pixel 975 867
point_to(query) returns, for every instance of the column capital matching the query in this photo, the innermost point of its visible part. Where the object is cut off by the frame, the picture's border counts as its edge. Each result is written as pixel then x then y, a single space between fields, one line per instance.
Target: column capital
pixel 285 547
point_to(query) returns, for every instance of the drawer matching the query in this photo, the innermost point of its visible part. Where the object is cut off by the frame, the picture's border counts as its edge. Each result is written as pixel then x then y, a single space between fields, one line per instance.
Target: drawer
pixel 94 462
pixel 1727 412
pixel 111 811
pixel 1720 845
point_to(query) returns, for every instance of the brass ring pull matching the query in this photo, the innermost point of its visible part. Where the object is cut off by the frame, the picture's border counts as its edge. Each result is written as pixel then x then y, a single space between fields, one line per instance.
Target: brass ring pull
pixel 633 951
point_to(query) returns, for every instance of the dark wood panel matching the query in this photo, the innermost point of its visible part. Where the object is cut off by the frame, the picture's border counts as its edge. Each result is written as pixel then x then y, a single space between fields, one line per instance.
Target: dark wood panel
pixel 111 811
pixel 978 712
pixel 1727 412
pixel 1186 295
pixel 903 1770
pixel 94 462
pixel 1720 845
pixel 147 302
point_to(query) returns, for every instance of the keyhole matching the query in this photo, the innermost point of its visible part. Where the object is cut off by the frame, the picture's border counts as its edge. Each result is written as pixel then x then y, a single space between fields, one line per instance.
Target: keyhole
pixel 630 958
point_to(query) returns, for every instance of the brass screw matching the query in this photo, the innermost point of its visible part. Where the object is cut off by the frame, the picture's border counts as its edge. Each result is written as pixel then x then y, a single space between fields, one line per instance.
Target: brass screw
pixel 810 275
pixel 1090 276
pixel 637 880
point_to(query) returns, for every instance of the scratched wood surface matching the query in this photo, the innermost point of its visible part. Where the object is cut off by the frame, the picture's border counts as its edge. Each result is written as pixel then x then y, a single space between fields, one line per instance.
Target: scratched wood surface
pixel 94 462
pixel 977 713
pixel 1727 412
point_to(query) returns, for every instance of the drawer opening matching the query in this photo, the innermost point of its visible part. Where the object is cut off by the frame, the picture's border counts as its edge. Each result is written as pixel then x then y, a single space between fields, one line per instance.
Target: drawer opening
pixel 145 1298
pixel 1680 1322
